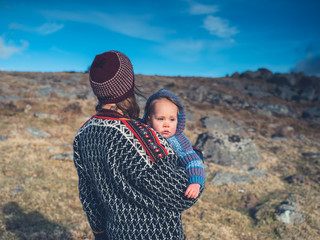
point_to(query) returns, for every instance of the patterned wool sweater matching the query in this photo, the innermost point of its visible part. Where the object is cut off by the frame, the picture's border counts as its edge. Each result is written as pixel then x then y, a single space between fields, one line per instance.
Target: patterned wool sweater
pixel 131 184
pixel 187 156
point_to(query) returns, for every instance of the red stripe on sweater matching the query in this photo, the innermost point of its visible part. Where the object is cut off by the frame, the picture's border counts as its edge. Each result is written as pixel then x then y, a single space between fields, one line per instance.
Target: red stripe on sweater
pixel 158 141
pixel 140 140
pixel 134 131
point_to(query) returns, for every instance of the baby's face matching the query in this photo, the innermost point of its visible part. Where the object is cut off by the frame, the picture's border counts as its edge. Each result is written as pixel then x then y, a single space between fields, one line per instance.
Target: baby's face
pixel 164 117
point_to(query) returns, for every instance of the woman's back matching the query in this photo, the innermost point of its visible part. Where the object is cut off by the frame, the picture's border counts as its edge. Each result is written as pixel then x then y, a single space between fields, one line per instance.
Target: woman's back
pixel 120 185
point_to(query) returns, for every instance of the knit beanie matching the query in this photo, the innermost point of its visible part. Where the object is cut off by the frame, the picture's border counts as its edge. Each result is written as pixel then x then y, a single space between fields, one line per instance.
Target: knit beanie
pixel 111 77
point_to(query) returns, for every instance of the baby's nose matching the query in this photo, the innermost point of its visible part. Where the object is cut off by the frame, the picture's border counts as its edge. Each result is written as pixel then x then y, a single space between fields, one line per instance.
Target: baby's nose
pixel 166 123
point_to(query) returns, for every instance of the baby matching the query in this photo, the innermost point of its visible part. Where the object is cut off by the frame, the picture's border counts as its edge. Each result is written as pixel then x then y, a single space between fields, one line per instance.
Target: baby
pixel 165 113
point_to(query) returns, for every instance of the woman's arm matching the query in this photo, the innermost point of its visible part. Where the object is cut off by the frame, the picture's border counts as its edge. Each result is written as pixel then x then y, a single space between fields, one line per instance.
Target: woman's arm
pixel 160 183
pixel 91 203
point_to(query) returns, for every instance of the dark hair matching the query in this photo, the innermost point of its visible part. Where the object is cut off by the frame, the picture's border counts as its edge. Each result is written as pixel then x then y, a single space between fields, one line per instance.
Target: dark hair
pixel 128 106
pixel 150 107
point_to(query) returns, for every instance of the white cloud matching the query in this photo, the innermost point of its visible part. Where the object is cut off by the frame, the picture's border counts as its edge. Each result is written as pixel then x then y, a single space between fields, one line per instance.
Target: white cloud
pixel 186 45
pixel 130 25
pixel 193 50
pixel 7 50
pixel 219 27
pixel 49 28
pixel 44 29
pixel 17 26
pixel 182 50
pixel 199 9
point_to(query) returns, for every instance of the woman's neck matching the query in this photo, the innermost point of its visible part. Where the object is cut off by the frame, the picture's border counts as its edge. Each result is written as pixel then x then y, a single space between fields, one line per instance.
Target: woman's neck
pixel 113 107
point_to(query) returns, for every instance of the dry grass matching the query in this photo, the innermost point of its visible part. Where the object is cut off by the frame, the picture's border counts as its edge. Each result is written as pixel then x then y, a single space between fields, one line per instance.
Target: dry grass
pixel 39 195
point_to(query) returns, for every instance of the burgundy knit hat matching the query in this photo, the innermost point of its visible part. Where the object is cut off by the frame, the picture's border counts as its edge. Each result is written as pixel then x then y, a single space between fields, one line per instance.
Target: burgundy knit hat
pixel 111 77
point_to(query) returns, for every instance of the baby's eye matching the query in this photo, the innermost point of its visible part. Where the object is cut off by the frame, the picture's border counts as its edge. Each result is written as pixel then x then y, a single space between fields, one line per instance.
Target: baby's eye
pixel 172 119
pixel 159 119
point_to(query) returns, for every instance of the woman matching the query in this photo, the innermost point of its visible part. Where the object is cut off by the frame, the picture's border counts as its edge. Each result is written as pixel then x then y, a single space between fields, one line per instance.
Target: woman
pixel 131 185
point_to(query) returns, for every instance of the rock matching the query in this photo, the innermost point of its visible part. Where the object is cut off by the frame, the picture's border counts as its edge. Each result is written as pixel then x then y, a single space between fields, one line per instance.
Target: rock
pixel 45 91
pixel 265 73
pixel 216 123
pixel 62 156
pixel 296 179
pixel 250 74
pixel 256 91
pixel 235 75
pixel 307 81
pixel 277 110
pixel 227 98
pixel 258 173
pixel 308 94
pixel 311 113
pixel 228 150
pixel 301 137
pixel 169 85
pixel 286 93
pixel 276 139
pixel 200 94
pixel 311 155
pixel 308 86
pixel 223 178
pixel 46 115
pixel 36 133
pixel 17 190
pixel 289 212
pixel 286 79
pixel 9 99
pixel 27 108
pixel 224 82
pixel 317 97
pixel 57 92
pixel 189 117
pixel 71 94
pixel 3 138
pixel 215 99
pixel 261 73
pixel 75 78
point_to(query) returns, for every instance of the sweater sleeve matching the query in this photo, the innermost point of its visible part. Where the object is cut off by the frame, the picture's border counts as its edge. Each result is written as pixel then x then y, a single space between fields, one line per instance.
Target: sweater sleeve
pixel 188 158
pixel 156 185
pixel 91 203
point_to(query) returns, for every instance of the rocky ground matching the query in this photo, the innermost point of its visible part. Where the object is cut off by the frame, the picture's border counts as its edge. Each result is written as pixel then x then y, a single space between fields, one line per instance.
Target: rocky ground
pixel 259 133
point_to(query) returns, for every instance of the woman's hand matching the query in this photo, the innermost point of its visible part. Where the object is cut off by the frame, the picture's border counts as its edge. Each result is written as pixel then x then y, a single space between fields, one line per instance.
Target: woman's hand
pixel 193 190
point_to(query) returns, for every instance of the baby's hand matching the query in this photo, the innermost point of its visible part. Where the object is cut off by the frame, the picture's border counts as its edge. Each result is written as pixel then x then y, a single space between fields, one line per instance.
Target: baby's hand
pixel 193 190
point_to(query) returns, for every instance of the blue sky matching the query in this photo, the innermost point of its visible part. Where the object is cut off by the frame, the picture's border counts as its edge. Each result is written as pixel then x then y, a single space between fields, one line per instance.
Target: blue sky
pixel 168 37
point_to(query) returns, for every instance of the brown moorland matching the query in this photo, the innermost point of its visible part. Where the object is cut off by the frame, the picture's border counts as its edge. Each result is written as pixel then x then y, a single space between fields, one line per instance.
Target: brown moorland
pixel 41 113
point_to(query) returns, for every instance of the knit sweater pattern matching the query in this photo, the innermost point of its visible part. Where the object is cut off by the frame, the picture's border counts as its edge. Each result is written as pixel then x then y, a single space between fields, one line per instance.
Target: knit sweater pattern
pixel 131 184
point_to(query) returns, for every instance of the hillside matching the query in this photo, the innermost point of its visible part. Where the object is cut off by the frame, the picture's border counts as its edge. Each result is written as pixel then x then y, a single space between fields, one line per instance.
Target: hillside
pixel 272 195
